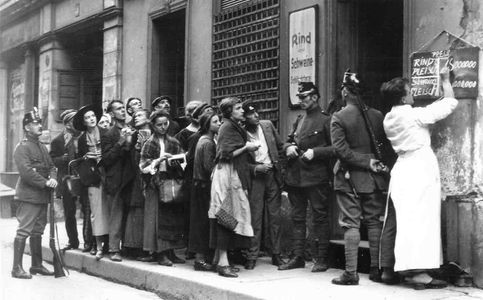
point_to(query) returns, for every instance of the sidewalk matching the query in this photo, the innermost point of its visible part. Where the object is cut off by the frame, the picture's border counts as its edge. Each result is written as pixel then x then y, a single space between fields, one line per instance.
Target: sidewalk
pixel 265 282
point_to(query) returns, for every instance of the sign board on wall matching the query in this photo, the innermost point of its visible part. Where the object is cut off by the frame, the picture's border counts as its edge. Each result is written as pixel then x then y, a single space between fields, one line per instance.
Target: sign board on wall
pixel 302 49
pixel 425 68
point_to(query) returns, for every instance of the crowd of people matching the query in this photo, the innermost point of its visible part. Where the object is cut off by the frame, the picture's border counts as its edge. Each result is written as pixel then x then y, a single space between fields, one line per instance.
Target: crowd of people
pixel 211 181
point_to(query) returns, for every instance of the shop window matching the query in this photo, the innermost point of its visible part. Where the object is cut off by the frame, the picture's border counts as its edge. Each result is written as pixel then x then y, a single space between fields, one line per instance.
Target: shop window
pixel 246 55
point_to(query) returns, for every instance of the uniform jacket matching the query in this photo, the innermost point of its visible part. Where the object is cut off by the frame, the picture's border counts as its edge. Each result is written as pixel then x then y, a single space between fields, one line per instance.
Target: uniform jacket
pixel 57 151
pixel 353 146
pixel 35 167
pixel 275 148
pixel 116 160
pixel 311 131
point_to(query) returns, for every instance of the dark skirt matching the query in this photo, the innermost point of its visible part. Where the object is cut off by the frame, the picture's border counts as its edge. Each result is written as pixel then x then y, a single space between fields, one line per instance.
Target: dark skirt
pixel 163 224
pixel 133 235
pixel 199 233
pixel 224 239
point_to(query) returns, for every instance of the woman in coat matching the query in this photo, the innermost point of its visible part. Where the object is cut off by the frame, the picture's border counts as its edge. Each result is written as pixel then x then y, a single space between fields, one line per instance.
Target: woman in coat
pixel 415 186
pixel 230 185
pixel 204 162
pixel 164 222
pixel 90 148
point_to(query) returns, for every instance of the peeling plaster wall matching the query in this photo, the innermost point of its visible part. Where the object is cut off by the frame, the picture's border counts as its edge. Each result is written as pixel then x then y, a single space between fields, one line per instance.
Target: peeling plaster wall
pixel 457 140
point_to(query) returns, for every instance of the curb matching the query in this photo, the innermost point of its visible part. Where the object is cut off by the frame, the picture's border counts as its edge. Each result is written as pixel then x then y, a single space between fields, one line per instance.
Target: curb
pixel 149 277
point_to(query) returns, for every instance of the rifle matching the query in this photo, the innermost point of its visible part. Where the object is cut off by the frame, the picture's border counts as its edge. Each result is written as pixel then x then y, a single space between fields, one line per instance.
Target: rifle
pixel 375 144
pixel 57 260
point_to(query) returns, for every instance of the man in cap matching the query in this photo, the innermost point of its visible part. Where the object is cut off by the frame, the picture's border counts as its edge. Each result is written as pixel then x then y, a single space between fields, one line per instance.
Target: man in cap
pixel 116 145
pixel 359 181
pixel 266 184
pixel 63 149
pixel 37 179
pixel 164 103
pixel 308 177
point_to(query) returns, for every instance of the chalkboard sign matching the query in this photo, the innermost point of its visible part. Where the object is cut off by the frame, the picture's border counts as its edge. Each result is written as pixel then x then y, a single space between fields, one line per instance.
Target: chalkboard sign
pixel 425 68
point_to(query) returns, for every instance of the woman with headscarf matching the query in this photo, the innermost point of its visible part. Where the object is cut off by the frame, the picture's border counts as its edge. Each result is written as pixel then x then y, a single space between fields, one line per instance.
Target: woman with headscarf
pixel 164 225
pixel 90 148
pixel 204 162
pixel 415 186
pixel 229 213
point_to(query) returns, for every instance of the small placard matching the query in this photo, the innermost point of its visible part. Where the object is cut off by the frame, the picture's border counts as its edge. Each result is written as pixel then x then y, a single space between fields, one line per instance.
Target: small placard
pixel 425 68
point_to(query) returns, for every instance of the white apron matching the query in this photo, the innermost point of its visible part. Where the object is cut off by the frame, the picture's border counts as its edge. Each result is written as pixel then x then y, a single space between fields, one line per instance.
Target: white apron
pixel 415 186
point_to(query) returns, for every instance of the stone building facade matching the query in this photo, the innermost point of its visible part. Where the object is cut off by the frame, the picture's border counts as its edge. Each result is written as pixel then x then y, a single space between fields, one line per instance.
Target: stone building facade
pixel 60 54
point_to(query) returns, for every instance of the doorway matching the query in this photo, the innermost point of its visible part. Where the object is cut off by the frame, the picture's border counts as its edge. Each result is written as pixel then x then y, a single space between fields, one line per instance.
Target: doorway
pixel 169 58
pixel 372 31
pixel 369 41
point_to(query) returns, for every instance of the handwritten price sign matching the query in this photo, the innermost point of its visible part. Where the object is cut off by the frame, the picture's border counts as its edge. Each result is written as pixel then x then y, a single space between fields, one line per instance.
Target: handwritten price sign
pixel 425 67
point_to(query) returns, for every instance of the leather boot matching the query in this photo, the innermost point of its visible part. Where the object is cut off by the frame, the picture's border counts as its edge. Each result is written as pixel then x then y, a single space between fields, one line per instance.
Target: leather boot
pixel 175 259
pixel 346 279
pixel 36 252
pixel 320 265
pixel 17 269
pixel 375 274
pixel 277 260
pixel 293 263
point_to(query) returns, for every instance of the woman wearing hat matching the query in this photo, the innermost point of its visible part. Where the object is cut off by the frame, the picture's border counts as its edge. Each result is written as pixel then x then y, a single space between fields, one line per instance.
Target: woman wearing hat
pixel 204 162
pixel 90 148
pixel 164 226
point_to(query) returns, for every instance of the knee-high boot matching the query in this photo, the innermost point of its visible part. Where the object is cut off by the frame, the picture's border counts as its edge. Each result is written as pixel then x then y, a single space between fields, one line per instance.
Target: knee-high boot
pixel 36 252
pixel 17 269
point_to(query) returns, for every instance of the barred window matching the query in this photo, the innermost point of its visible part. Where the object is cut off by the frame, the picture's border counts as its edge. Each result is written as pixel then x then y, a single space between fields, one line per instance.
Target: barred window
pixel 246 56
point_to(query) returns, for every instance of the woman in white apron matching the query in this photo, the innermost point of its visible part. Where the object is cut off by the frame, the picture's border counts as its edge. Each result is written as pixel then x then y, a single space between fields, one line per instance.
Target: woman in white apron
pixel 415 186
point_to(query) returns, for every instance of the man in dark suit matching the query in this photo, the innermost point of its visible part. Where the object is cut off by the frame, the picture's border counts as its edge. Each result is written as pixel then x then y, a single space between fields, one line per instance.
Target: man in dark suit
pixel 359 182
pixel 308 177
pixel 63 149
pixel 116 144
pixel 266 184
pixel 37 178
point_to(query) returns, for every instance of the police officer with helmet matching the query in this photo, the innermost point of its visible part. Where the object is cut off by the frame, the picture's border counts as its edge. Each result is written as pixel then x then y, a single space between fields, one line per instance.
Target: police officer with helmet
pixel 37 178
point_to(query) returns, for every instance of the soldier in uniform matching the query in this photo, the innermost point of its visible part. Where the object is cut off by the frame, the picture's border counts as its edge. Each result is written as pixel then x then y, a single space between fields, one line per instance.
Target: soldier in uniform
pixel 308 176
pixel 37 178
pixel 360 182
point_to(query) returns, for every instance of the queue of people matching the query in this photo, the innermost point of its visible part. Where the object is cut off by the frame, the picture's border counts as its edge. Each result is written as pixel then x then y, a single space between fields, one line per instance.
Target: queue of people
pixel 152 186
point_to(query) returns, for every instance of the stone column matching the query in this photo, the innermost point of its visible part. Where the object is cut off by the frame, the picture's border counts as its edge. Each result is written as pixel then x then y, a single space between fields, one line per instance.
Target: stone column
pixel 29 75
pixel 3 116
pixel 112 55
pixel 52 57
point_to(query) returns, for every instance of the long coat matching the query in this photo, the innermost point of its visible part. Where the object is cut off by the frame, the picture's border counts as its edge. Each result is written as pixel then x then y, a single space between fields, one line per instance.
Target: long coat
pixel 352 143
pixel 35 167
pixel 415 186
pixel 116 161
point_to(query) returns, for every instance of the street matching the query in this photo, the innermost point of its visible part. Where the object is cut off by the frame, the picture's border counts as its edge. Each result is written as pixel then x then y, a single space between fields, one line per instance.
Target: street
pixel 75 286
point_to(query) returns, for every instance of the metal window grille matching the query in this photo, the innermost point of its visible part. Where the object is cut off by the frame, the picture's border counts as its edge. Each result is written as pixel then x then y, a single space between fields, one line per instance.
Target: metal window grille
pixel 246 56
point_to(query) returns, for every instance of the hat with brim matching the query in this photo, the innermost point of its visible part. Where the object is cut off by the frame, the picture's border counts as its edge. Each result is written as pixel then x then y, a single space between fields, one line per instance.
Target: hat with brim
pixel 79 116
